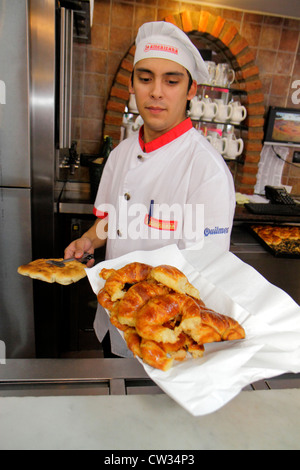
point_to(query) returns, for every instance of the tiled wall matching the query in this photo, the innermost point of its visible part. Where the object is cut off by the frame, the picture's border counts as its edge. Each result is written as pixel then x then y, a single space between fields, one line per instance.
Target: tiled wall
pixel 274 41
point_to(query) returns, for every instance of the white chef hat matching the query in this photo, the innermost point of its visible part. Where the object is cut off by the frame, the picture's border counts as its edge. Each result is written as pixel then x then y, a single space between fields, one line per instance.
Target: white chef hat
pixel 163 40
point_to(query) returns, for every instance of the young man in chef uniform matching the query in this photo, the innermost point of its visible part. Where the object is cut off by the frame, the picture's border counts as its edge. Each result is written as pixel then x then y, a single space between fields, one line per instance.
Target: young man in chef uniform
pixel 168 184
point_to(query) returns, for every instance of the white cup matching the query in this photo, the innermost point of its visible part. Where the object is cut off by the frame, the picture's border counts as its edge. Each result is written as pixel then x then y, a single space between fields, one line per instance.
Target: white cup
pixel 133 126
pixel 224 111
pixel 234 147
pixel 210 109
pixel 224 75
pixel 196 108
pixel 239 113
pixel 211 67
pixel 219 143
pixel 132 104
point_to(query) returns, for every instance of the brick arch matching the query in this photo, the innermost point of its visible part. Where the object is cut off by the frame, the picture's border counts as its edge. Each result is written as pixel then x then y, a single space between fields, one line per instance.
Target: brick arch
pixel 227 38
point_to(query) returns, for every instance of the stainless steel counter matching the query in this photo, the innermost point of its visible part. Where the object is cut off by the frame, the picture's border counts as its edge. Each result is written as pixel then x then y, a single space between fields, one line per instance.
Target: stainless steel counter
pixel 88 377
pixel 59 377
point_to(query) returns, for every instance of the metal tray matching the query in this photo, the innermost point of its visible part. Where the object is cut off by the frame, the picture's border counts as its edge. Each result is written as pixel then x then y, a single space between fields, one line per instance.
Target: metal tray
pixel 288 248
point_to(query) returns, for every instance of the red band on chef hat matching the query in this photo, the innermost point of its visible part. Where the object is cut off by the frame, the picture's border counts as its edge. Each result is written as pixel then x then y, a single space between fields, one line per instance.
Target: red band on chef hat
pixel 164 40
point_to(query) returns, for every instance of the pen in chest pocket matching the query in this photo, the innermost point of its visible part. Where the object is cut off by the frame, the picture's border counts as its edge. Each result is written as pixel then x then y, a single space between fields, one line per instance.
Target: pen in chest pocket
pixel 150 211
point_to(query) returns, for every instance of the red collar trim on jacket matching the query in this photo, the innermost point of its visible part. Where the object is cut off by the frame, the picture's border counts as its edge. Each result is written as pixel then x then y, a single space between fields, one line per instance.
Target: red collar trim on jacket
pixel 166 138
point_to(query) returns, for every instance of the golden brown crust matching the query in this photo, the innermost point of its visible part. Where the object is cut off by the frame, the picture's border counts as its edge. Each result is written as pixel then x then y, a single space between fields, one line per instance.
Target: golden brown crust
pixel 206 326
pixel 153 319
pixel 277 235
pixel 133 341
pixel 117 279
pixel 41 270
pixel 153 354
pixel 161 355
pixel 174 279
pixel 104 299
pixel 137 296
pixel 160 322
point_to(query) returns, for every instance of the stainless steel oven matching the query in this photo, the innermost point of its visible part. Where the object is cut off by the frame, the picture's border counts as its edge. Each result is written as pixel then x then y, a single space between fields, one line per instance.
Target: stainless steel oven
pixel 36 38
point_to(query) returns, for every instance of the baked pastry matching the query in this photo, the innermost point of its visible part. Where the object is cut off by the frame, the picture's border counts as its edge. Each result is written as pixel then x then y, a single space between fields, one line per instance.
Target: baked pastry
pixel 174 279
pixel 161 355
pixel 137 296
pixel 116 280
pixel 41 270
pixel 282 239
pixel 161 314
pixel 206 326
pixel 157 318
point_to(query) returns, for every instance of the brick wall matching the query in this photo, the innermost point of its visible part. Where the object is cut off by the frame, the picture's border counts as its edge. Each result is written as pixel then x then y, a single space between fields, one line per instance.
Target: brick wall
pixel 263 50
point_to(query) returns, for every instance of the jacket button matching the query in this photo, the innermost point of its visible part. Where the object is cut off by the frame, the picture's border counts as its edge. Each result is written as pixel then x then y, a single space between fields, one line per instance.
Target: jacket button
pixel 119 233
pixel 140 157
pixel 127 196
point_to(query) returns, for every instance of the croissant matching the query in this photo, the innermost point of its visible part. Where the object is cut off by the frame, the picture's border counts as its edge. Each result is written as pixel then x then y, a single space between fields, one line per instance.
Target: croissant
pixel 152 317
pixel 161 355
pixel 207 326
pixel 174 279
pixel 137 296
pixel 133 341
pixel 104 299
pixel 153 354
pixel 161 314
pixel 117 279
pixel 114 318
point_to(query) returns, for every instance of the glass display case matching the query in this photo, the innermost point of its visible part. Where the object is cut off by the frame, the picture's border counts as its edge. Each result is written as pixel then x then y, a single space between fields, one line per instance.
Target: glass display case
pixel 218 114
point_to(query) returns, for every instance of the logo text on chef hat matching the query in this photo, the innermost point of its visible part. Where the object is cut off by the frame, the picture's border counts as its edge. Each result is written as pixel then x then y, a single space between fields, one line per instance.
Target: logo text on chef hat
pixel 156 222
pixel 2 352
pixel 161 48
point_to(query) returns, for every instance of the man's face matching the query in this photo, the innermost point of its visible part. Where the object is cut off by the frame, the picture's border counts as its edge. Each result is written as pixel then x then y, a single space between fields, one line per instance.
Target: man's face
pixel 161 91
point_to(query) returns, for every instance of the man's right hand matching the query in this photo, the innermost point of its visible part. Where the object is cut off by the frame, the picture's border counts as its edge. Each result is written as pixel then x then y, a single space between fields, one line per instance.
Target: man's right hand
pixel 78 247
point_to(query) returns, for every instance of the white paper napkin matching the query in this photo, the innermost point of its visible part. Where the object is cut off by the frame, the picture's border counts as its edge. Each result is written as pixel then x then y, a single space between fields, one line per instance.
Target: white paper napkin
pixel 269 316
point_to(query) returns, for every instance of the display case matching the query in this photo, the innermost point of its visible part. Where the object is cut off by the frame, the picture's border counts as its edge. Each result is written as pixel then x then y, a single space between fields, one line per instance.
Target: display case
pixel 218 114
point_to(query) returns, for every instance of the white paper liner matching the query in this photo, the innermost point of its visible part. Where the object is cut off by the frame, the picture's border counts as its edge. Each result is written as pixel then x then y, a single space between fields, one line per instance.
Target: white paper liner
pixel 269 316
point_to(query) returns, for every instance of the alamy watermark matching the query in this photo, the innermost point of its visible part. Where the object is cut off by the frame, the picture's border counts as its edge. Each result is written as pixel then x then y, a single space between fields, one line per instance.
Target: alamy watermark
pixel 159 221
pixel 296 94
pixel 2 353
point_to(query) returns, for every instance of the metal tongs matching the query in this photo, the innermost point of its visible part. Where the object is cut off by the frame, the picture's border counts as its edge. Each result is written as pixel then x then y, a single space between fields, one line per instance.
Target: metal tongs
pixel 61 264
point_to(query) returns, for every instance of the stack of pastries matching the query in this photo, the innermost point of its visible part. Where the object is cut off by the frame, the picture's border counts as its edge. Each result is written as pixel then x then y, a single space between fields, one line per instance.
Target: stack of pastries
pixel 161 314
pixel 283 239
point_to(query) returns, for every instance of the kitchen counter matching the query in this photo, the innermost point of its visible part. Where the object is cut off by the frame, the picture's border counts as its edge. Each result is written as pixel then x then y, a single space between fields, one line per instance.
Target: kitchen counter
pixel 282 272
pixel 263 420
pixel 112 404
pixel 243 215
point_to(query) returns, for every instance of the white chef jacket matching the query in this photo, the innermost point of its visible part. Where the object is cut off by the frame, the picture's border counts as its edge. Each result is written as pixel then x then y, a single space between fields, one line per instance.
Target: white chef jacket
pixel 175 189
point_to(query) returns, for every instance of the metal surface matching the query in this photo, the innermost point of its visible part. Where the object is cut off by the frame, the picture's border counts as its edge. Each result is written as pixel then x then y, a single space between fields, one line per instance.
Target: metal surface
pixel 74 208
pixel 56 377
pixel 14 120
pixel 16 304
pixel 82 18
pixel 61 264
pixel 42 99
pixel 42 33
pixel 16 301
pixel 49 377
pixel 65 92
